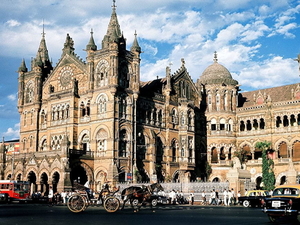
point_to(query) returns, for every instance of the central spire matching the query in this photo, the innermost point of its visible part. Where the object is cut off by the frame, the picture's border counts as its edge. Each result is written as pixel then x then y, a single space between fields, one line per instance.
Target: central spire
pixel 113 33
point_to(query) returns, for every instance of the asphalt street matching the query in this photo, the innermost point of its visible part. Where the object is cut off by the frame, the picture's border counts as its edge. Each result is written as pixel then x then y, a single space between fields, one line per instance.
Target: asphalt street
pixel 41 214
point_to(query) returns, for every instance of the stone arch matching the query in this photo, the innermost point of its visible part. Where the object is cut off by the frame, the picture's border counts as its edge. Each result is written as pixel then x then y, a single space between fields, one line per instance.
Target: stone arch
pixel 279 178
pixel 100 178
pixel 81 172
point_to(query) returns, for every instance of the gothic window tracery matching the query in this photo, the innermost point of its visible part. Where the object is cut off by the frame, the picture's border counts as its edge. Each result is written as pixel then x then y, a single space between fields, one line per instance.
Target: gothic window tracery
pixel 101 140
pixel 102 71
pixel 29 93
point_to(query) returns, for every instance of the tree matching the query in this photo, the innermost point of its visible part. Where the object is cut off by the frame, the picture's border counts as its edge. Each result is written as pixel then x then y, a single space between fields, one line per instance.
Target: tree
pixel 268 177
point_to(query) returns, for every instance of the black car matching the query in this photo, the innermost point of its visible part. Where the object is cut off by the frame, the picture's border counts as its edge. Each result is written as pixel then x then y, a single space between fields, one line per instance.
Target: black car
pixel 253 198
pixel 284 202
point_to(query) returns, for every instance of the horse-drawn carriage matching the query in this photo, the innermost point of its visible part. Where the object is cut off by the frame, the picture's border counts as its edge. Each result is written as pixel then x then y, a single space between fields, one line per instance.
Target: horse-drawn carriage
pixel 81 199
pixel 137 196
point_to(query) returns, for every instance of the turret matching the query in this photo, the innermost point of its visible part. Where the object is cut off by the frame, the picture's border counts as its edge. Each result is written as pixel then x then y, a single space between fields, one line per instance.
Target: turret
pixel 91 45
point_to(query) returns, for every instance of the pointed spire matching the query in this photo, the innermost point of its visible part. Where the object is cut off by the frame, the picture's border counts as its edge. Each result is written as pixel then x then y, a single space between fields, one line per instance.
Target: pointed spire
pixel 23 67
pixel 113 30
pixel 215 57
pixel 42 57
pixel 91 45
pixel 43 51
pixel 135 45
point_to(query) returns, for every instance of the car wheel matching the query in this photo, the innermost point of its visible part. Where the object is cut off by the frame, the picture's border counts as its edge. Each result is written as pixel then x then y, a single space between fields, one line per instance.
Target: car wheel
pixel 154 202
pixel 246 203
pixel 273 219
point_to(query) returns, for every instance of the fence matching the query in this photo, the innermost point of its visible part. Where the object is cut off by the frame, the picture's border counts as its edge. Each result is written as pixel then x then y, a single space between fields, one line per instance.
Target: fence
pixel 186 188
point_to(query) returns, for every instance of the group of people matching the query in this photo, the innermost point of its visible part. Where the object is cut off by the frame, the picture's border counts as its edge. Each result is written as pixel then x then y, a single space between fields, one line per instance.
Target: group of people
pixel 177 197
pixel 227 198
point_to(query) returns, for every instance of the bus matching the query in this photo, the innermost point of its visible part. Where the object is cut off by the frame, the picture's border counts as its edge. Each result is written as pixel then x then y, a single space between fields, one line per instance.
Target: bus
pixel 12 190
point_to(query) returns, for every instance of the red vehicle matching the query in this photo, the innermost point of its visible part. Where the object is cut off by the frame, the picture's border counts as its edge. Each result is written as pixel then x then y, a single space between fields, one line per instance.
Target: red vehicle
pixel 11 190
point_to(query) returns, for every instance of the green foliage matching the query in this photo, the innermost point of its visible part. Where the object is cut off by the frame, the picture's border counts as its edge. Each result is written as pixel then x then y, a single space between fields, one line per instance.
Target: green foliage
pixel 208 169
pixel 241 155
pixel 268 176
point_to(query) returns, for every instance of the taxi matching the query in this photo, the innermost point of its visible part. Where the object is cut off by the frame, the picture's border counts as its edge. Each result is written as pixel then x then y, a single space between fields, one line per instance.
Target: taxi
pixel 253 198
pixel 284 202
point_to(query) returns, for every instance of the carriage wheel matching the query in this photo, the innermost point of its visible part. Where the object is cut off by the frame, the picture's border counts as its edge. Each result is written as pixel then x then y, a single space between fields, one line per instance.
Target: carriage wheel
pixel 111 204
pixel 77 203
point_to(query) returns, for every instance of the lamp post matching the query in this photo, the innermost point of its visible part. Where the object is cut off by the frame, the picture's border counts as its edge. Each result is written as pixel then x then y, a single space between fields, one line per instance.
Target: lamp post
pixel 3 159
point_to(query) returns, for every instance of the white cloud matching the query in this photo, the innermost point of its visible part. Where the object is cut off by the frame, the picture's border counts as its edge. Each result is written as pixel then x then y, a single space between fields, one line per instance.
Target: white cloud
pixel 12 97
pixel 12 133
pixel 13 23
pixel 268 73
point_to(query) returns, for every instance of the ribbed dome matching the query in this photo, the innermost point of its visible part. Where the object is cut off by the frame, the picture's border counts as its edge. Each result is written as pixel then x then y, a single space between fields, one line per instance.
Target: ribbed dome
pixel 215 72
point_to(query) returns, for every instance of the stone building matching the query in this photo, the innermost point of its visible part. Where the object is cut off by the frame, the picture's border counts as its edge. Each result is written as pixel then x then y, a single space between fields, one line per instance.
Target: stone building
pixel 95 120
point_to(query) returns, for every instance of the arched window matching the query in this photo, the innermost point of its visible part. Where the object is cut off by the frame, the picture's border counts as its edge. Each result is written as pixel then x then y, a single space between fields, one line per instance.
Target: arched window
pixel 29 93
pixel 102 101
pixel 261 124
pixel 123 144
pixel 222 124
pixel 249 126
pixel 44 145
pixel 101 140
pixel 213 124
pixel 283 150
pixel 214 155
pixel 242 126
pixel 174 147
pixel 278 121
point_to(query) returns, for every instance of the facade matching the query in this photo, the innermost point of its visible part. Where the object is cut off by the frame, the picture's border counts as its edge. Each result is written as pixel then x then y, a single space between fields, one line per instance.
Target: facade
pixel 95 121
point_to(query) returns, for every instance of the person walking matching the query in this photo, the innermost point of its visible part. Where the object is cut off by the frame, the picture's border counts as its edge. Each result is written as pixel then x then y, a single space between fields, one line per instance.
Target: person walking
pixel 50 196
pixel 225 197
pixel 213 197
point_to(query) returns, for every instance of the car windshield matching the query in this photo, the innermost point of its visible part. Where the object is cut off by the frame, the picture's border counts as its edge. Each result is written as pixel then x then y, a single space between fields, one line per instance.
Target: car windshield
pixel 286 191
pixel 258 193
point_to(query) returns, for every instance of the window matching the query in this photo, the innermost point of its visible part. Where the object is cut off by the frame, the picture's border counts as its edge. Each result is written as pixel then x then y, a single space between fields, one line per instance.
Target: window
pixel 102 101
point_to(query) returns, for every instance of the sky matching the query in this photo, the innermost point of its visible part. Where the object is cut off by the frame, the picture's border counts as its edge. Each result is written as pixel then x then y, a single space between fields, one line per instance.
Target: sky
pixel 256 40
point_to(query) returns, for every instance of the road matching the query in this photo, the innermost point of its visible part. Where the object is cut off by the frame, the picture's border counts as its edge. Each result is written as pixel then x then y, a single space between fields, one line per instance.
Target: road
pixel 41 214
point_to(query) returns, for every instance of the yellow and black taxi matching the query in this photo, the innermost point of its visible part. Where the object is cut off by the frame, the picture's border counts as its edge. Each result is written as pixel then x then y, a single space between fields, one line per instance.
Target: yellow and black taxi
pixel 253 198
pixel 284 202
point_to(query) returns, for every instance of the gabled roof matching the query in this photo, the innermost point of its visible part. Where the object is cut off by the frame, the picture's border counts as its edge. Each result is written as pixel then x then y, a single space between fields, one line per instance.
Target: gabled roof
pixel 275 94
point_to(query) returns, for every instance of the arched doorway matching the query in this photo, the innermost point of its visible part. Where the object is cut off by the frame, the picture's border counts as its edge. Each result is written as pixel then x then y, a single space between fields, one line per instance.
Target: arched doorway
pixel 78 173
pixel 32 181
pixel 55 180
pixel 258 182
pixel 44 184
pixel 282 180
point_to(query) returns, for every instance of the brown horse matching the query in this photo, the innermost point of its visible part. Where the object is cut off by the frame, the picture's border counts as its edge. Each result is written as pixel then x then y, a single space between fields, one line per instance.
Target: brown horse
pixel 139 195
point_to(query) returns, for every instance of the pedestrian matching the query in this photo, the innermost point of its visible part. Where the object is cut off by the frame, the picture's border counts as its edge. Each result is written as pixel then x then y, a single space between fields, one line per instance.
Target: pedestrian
pixel 233 197
pixel 203 198
pixel 50 196
pixel 191 198
pixel 230 196
pixel 63 195
pixel 225 197
pixel 213 197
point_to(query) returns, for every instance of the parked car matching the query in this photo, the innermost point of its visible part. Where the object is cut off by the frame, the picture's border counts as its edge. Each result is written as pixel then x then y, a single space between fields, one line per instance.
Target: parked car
pixel 284 203
pixel 253 198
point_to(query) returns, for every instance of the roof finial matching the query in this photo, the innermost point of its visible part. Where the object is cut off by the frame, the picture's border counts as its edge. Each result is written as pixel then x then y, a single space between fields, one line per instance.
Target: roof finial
pixel 215 57
pixel 114 5
pixel 43 34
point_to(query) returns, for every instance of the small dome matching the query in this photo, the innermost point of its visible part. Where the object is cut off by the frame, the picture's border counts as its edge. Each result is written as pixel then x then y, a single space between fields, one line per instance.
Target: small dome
pixel 216 74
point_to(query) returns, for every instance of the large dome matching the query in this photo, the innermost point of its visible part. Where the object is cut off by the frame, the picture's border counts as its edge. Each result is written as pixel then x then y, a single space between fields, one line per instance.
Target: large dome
pixel 217 74
pixel 216 71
